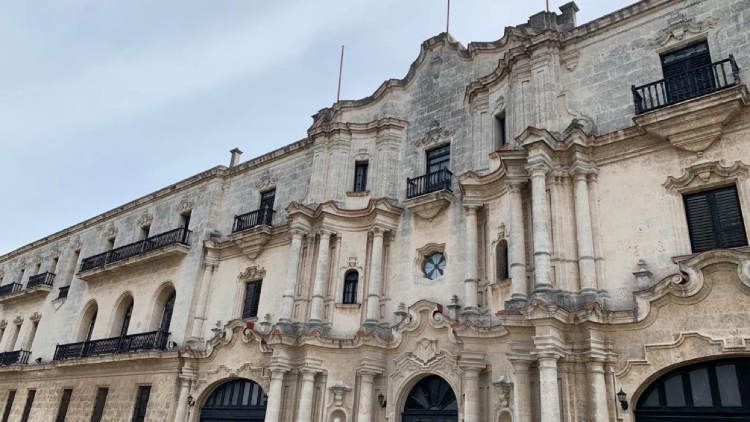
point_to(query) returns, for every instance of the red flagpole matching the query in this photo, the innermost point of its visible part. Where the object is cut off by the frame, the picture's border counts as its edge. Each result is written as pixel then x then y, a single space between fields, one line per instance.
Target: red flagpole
pixel 448 19
pixel 341 72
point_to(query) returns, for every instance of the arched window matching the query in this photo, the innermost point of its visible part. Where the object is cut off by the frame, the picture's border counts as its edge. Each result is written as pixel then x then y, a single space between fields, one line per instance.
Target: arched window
pixel 432 399
pixel 236 400
pixel 166 316
pixel 87 322
pixel 126 320
pixel 707 391
pixel 90 329
pixel 351 280
pixel 501 260
pixel 123 313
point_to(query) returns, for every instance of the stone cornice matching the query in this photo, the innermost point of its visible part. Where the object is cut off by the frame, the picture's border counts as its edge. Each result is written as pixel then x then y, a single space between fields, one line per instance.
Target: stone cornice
pixel 347 128
pixel 379 210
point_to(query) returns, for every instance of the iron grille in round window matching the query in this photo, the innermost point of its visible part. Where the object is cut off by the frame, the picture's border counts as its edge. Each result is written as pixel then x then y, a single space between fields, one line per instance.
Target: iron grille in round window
pixel 434 265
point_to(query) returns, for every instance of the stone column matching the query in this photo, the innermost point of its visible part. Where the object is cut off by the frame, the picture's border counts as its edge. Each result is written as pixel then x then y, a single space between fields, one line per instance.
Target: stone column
pixel 376 267
pixel 209 267
pixel 180 414
pixel 304 411
pixel 549 402
pixel 597 391
pixel 540 229
pixel 586 266
pixel 471 395
pixel 287 302
pixel 470 283
pixel 521 391
pixel 321 275
pixel 517 247
pixel 364 412
pixel 273 406
pixel 594 201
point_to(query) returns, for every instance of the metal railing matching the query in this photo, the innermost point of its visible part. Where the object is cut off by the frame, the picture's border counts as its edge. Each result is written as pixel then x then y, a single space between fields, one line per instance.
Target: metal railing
pixel 430 182
pixel 43 279
pixel 11 358
pixel 63 292
pixel 10 288
pixel 252 219
pixel 695 83
pixel 154 340
pixel 172 237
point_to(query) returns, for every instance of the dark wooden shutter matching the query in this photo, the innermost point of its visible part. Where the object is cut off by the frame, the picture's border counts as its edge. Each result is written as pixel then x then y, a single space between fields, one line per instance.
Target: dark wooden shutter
pixel 729 216
pixel 101 400
pixel 700 222
pixel 687 72
pixel 360 177
pixel 715 219
pixel 9 405
pixel 27 407
pixel 64 403
pixel 141 403
pixel 252 299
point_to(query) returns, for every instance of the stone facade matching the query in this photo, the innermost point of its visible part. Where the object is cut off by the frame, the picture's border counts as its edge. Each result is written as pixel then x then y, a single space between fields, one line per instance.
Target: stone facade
pixel 569 270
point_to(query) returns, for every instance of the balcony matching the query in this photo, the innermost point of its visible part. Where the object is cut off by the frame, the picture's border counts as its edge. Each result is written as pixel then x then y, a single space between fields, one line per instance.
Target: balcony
pixel 9 289
pixel 20 357
pixel 155 340
pixel 40 284
pixel 695 83
pixel 172 243
pixel 40 280
pixel 256 218
pixel 428 195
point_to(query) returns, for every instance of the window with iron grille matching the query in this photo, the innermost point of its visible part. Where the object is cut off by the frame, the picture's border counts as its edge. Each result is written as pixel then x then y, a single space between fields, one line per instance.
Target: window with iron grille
pixel 351 280
pixel 141 403
pixel 62 411
pixel 27 407
pixel 715 219
pixel 9 405
pixel 252 299
pixel 360 176
pixel 438 159
pixel 101 400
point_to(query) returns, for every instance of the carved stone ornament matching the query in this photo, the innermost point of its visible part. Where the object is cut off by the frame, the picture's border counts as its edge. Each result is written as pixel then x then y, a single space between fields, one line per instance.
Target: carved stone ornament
pixel 185 205
pixel 436 135
pixel 339 391
pixel 504 388
pixel 145 220
pixel 3 324
pixel 111 232
pixel 352 261
pixel 76 243
pixel 706 174
pixel 426 350
pixel 266 181
pixel 363 155
pixel 252 273
pixel 18 320
pixel 35 317
pixel 55 253
pixel 679 26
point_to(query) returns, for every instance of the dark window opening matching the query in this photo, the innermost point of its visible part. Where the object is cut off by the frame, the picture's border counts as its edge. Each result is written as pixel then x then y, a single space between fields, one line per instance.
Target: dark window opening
pixel 438 159
pixel 360 176
pixel 126 320
pixel 688 72
pixel 715 219
pixel 351 280
pixel 166 316
pixel 501 256
pixel 145 230
pixel 27 407
pixel 267 199
pixel 252 299
pixel 500 131
pixel 101 401
pixel 110 243
pixel 9 405
pixel 185 220
pixel 62 411
pixel 91 327
pixel 55 262
pixel 141 403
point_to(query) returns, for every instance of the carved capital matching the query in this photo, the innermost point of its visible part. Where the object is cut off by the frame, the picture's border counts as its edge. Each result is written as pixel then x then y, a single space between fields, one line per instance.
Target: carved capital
pixel 18 320
pixel 35 317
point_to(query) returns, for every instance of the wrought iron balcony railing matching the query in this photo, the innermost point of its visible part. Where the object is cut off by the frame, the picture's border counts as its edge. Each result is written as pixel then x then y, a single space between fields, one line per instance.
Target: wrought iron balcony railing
pixel 154 340
pixel 430 182
pixel 261 217
pixel 172 237
pixel 20 357
pixel 63 292
pixel 43 279
pixel 695 83
pixel 10 288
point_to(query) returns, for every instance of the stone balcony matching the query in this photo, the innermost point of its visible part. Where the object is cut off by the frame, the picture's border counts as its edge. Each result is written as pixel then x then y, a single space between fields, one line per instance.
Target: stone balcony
pixel 38 285
pixel 428 195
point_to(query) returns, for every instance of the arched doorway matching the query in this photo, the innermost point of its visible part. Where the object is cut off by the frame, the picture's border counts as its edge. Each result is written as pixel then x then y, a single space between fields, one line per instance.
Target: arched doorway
pixel 238 401
pixel 431 400
pixel 710 391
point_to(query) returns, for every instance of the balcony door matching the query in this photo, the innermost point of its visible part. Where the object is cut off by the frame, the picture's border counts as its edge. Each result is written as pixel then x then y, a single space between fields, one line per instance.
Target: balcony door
pixel 688 73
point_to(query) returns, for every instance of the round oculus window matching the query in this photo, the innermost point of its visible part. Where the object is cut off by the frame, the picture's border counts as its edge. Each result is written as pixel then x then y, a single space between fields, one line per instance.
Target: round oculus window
pixel 434 265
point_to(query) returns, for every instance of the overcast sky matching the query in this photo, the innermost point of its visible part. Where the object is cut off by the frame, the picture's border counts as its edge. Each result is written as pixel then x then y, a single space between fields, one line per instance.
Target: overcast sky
pixel 104 101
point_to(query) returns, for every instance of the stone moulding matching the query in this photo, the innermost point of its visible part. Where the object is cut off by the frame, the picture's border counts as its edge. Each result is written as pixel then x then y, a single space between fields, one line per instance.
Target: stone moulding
pixel 699 175
pixel 428 206
pixel 679 27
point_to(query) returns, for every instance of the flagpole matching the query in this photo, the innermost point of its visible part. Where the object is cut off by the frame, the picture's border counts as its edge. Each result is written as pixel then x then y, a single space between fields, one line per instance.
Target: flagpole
pixel 547 6
pixel 448 19
pixel 341 72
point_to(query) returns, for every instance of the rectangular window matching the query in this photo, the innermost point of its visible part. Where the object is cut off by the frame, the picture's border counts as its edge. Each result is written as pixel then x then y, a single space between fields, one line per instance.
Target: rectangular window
pixel 144 232
pixel 185 220
pixel 715 219
pixel 141 403
pixel 267 199
pixel 438 159
pixel 62 411
pixel 53 267
pixel 9 405
pixel 500 130
pixel 688 73
pixel 110 243
pixel 252 299
pixel 27 407
pixel 101 400
pixel 360 176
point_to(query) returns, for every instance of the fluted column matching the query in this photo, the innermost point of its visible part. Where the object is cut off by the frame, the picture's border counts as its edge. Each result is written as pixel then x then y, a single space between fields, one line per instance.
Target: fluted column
pixel 586 265
pixel 321 275
pixel 273 405
pixel 209 267
pixel 287 302
pixel 470 283
pixel 597 391
pixel 304 411
pixel 517 247
pixel 550 398
pixel 180 414
pixel 540 229
pixel 595 234
pixel 471 395
pixel 364 411
pixel 521 391
pixel 376 270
